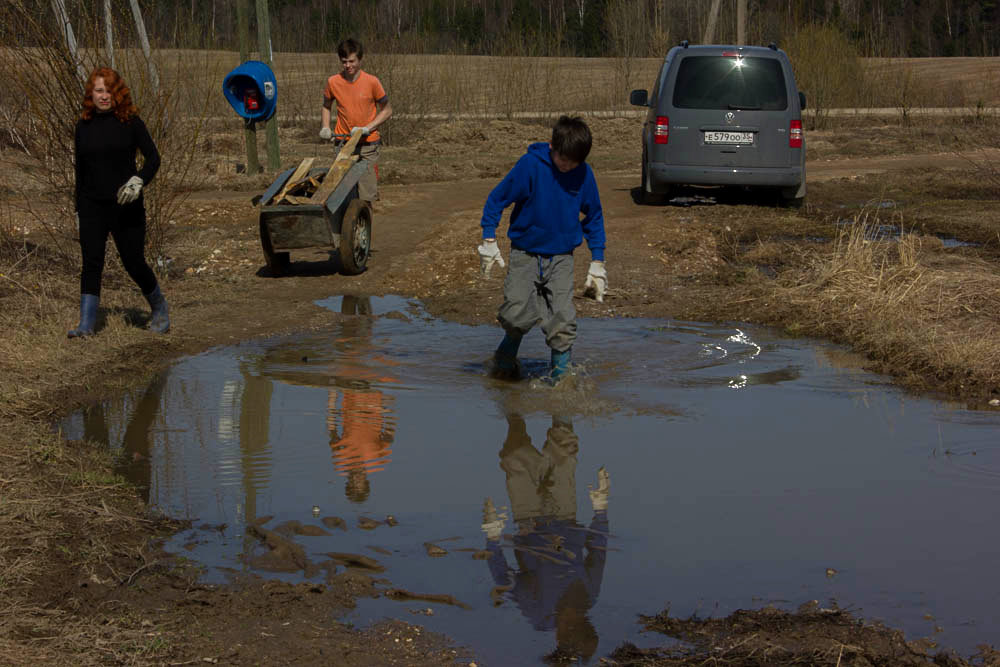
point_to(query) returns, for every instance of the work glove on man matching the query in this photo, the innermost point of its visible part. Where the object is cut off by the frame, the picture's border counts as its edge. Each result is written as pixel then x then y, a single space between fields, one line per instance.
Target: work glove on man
pixel 597 281
pixel 325 134
pixel 129 192
pixel 489 254
pixel 599 496
pixel 365 131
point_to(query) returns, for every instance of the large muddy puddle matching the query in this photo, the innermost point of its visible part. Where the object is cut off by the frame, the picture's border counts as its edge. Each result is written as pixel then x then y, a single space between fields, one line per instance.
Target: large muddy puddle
pixel 744 469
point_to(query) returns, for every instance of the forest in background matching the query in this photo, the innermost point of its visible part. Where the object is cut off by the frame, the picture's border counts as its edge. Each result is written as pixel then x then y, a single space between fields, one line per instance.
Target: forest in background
pixel 630 28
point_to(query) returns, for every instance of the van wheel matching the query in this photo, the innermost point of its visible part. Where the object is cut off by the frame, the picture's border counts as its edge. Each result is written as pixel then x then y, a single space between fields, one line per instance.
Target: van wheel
pixel 645 196
pixel 792 197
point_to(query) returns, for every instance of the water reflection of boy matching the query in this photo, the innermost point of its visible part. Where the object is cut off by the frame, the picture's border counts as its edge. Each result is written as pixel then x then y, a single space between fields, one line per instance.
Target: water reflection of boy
pixel 360 429
pixel 560 564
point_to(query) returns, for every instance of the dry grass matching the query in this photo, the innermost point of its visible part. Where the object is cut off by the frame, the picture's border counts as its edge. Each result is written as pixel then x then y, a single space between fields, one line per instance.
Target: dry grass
pixel 922 313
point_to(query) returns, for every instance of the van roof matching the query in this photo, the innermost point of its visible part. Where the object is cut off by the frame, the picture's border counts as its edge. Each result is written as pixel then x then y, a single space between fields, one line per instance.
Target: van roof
pixel 710 49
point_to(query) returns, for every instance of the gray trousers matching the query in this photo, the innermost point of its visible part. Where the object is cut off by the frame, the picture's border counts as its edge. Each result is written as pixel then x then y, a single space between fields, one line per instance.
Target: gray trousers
pixel 540 290
pixel 540 484
pixel 368 185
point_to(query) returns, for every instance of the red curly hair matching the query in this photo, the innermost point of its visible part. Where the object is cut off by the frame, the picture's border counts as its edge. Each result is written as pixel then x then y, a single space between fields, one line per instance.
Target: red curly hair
pixel 121 96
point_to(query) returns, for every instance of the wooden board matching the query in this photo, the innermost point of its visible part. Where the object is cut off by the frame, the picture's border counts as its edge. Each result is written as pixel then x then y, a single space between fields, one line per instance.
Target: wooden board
pixel 300 172
pixel 341 164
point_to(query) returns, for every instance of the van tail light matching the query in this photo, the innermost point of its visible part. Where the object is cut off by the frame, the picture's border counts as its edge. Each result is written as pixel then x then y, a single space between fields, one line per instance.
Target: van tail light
pixel 661 133
pixel 795 134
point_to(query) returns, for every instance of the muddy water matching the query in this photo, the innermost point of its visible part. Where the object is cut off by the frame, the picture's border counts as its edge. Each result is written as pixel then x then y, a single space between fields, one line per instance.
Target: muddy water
pixel 744 470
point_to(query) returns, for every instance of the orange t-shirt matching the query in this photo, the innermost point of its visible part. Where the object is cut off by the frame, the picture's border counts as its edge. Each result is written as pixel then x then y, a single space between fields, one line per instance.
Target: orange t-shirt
pixel 355 101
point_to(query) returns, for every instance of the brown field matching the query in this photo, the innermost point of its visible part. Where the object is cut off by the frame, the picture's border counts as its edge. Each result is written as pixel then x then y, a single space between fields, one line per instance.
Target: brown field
pixel 82 580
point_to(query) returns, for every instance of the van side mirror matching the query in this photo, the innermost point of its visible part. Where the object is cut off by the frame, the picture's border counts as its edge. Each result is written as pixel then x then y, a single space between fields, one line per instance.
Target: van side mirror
pixel 802 100
pixel 639 98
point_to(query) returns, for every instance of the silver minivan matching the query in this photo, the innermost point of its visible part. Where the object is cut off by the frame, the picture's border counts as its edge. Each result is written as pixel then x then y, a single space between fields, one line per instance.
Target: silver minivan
pixel 724 116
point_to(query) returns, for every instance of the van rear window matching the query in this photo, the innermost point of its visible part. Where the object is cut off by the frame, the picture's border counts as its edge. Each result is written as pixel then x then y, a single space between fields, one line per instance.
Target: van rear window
pixel 723 82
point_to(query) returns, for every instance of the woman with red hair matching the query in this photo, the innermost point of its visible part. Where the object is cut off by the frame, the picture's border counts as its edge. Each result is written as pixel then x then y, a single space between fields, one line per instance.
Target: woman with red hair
pixel 109 194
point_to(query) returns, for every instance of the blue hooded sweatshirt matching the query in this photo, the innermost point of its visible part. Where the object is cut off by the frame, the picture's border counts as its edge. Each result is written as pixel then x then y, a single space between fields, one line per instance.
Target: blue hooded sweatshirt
pixel 547 206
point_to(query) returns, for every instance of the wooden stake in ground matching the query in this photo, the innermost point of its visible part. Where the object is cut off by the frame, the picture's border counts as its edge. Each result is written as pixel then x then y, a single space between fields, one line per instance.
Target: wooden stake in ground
pixel 264 46
pixel 249 127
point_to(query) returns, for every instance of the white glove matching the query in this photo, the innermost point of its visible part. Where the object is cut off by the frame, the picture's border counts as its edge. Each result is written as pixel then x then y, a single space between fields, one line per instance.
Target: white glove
pixel 599 496
pixel 489 254
pixel 493 522
pixel 365 131
pixel 325 134
pixel 129 192
pixel 597 281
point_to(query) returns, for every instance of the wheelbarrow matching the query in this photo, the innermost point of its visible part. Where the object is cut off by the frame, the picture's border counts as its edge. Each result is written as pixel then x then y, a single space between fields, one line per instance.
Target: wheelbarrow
pixel 307 207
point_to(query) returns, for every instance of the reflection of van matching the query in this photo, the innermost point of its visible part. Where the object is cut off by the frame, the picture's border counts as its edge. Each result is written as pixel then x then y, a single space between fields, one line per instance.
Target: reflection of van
pixel 724 115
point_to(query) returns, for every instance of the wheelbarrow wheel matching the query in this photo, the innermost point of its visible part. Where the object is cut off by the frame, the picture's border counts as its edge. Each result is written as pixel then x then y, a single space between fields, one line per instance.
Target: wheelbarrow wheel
pixel 356 238
pixel 278 263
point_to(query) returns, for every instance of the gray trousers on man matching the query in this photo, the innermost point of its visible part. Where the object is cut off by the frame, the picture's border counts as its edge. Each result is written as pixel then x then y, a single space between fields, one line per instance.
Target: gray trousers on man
pixel 539 289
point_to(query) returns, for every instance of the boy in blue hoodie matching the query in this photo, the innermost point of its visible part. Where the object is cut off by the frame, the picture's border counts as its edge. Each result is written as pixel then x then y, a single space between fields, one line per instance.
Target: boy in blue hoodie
pixel 551 186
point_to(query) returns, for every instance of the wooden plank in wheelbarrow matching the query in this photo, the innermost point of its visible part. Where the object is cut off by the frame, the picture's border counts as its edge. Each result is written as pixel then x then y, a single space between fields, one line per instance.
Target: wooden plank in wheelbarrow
pixel 263 199
pixel 300 173
pixel 345 159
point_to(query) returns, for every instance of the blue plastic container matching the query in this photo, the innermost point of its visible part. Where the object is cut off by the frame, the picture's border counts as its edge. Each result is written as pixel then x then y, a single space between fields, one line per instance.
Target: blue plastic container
pixel 252 90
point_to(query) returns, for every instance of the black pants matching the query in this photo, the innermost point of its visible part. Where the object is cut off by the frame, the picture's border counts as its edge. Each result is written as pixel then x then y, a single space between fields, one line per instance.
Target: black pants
pixel 127 226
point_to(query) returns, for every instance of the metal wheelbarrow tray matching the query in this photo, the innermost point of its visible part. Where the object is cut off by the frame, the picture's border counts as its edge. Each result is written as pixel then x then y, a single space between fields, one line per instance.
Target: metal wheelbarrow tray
pixel 332 217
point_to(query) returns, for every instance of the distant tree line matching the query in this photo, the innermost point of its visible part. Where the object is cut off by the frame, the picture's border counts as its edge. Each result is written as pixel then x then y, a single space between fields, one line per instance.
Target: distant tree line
pixel 889 28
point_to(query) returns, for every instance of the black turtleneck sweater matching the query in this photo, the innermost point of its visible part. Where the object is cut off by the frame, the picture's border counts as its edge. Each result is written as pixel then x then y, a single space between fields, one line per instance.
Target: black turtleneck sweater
pixel 105 157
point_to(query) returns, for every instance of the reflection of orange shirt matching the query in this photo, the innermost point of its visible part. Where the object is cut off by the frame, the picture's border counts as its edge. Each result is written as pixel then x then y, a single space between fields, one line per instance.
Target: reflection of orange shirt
pixel 355 101
pixel 364 439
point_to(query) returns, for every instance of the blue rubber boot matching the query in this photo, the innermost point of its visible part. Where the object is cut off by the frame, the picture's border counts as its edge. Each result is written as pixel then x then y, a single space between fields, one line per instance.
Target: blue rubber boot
pixel 88 316
pixel 505 358
pixel 560 363
pixel 159 321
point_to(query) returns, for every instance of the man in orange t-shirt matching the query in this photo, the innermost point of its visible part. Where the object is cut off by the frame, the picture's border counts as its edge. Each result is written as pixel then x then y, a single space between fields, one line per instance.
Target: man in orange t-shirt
pixel 361 104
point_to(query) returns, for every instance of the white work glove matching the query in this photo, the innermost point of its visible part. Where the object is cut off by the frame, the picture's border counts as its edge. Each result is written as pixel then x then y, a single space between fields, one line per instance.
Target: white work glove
pixel 365 131
pixel 597 281
pixel 489 254
pixel 599 496
pixel 325 134
pixel 493 523
pixel 129 192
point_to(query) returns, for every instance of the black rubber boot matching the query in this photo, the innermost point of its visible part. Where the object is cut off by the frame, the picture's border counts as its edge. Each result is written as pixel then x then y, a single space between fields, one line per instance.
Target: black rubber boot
pixel 88 316
pixel 505 364
pixel 159 321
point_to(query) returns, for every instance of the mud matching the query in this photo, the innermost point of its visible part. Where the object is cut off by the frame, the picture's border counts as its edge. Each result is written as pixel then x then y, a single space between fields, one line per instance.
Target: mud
pixel 665 262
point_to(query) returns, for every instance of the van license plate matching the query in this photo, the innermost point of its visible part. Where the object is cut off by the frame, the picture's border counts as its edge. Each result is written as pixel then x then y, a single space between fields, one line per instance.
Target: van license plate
pixel 728 137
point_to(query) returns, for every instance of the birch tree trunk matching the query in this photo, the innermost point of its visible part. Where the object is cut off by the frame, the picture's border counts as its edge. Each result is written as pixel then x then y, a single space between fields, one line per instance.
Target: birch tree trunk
pixel 140 27
pixel 59 8
pixel 713 17
pixel 108 37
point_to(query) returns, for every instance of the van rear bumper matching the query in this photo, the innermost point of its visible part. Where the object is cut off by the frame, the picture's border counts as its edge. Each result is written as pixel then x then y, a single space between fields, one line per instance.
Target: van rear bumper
pixel 662 176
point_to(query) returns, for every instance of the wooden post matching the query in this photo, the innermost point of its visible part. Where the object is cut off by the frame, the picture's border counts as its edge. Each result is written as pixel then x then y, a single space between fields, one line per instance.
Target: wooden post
pixel 741 22
pixel 109 38
pixel 59 8
pixel 249 127
pixel 713 16
pixel 264 47
pixel 140 27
